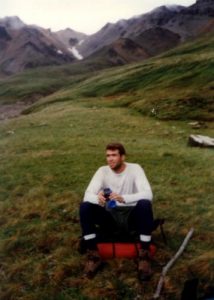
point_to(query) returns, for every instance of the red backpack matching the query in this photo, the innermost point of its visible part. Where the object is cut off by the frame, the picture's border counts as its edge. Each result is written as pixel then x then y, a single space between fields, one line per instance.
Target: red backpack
pixel 122 246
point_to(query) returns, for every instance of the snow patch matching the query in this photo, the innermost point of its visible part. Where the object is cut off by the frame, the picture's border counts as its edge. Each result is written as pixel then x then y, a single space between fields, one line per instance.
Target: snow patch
pixel 59 52
pixel 76 53
pixel 80 42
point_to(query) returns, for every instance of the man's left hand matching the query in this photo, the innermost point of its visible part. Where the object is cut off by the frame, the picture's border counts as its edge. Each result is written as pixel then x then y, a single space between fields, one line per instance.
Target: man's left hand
pixel 117 197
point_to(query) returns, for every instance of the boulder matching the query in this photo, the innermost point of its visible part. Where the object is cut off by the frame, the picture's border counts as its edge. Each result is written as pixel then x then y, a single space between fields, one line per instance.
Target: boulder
pixel 200 141
pixel 198 125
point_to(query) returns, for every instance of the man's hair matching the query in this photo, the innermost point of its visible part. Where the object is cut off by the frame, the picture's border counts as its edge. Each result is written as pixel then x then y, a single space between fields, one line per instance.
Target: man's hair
pixel 116 146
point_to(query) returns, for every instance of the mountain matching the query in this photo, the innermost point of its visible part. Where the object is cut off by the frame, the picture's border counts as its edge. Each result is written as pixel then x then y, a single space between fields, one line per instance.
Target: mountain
pixel 203 7
pixel 138 38
pixel 12 22
pixel 71 38
pixel 120 52
pixel 23 47
pixel 125 50
pixel 156 40
pixel 180 22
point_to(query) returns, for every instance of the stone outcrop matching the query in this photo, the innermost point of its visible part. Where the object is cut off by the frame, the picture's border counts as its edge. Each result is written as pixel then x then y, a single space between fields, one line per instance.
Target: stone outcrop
pixel 200 141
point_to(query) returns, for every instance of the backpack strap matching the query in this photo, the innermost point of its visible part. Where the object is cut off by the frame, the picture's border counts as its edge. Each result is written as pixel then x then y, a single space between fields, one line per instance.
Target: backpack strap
pixel 136 248
pixel 157 223
pixel 113 250
pixel 162 221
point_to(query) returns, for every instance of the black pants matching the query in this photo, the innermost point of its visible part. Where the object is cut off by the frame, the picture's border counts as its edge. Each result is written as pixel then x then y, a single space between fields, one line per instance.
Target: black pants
pixel 140 218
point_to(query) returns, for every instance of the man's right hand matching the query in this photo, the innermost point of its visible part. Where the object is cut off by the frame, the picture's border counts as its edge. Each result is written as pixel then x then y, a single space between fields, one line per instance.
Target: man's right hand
pixel 101 199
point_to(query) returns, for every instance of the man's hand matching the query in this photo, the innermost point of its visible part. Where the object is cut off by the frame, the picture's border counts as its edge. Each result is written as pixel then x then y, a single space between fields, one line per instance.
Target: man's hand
pixel 117 197
pixel 101 199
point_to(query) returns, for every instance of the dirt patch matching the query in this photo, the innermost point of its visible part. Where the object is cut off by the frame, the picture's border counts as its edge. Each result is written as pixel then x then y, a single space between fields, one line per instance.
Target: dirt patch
pixel 8 111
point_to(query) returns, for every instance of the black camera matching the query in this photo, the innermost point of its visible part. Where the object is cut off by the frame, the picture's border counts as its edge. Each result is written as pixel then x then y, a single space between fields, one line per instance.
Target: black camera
pixel 107 192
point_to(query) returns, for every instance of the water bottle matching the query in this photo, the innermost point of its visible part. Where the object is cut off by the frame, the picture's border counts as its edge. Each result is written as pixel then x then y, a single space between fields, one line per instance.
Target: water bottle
pixel 110 203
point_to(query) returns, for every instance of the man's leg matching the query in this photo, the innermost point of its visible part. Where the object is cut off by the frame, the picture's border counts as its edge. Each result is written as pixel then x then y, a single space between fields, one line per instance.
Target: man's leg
pixel 141 219
pixel 90 216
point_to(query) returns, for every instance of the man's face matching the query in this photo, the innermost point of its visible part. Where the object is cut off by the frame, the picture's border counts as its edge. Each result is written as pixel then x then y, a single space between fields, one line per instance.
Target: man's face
pixel 114 159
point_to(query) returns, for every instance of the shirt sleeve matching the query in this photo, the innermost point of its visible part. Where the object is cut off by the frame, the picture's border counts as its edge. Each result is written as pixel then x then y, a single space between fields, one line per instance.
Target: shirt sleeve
pixel 94 187
pixel 142 187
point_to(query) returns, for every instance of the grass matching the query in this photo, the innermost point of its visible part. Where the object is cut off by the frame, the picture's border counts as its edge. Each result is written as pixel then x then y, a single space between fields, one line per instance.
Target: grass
pixel 35 83
pixel 173 86
pixel 48 155
pixel 47 159
pixel 177 85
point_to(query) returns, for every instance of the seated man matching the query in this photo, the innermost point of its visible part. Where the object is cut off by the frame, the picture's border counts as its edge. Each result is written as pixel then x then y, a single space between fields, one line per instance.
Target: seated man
pixel 131 192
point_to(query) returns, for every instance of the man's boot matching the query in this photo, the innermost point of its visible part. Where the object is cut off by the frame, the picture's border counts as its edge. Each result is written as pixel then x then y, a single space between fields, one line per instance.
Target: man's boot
pixel 144 265
pixel 93 264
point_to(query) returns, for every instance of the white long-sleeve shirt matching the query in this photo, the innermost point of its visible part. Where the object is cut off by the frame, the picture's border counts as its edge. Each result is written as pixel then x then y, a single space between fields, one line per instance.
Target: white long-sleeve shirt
pixel 132 184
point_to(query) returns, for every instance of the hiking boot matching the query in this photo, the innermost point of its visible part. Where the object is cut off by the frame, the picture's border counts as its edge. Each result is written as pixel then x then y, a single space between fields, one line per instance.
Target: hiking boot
pixel 144 265
pixel 93 264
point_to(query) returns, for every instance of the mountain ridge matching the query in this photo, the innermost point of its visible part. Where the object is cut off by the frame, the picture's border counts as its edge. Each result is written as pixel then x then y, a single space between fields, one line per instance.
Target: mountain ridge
pixel 27 46
pixel 184 21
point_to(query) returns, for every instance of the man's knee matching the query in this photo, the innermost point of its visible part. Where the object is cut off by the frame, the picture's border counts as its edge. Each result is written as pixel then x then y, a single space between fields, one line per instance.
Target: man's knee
pixel 85 207
pixel 144 204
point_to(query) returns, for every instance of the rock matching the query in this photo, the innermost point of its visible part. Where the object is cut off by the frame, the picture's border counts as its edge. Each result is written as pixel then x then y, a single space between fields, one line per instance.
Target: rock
pixel 200 141
pixel 198 125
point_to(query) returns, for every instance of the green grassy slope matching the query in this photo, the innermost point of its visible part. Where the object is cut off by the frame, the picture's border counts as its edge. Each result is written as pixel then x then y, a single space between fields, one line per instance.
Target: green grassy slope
pixel 176 85
pixel 47 159
pixel 39 82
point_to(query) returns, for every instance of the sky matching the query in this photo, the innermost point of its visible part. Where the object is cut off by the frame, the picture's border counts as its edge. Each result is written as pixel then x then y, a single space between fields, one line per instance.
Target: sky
pixel 87 16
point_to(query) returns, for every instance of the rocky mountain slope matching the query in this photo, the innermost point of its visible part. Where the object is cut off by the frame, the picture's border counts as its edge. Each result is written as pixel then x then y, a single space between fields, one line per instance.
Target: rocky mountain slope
pixel 178 22
pixel 70 37
pixel 23 47
pixel 125 50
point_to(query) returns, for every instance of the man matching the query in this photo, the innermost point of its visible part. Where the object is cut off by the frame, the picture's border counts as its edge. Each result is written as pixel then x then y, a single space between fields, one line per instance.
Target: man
pixel 131 190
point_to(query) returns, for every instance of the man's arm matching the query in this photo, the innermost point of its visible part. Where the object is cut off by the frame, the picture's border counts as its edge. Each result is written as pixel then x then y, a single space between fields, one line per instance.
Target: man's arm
pixel 94 187
pixel 142 186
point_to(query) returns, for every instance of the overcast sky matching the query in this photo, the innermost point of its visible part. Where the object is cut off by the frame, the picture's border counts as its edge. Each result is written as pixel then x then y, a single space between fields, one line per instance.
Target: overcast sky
pixel 86 16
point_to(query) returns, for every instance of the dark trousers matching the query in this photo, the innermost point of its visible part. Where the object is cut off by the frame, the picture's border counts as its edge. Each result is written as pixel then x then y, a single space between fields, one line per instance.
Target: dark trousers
pixel 140 218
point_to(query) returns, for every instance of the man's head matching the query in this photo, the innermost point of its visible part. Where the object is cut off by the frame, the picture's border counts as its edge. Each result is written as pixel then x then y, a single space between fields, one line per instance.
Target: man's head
pixel 115 156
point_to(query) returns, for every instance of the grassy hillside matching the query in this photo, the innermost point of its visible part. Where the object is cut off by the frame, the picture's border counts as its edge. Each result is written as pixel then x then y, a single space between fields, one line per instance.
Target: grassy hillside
pixel 176 85
pixel 36 83
pixel 48 157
